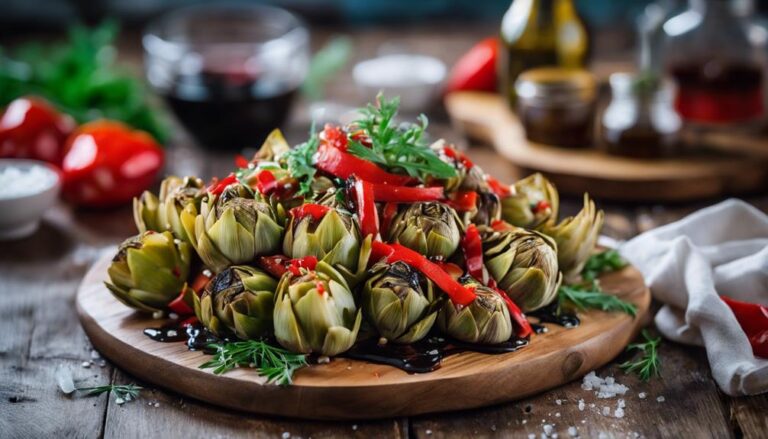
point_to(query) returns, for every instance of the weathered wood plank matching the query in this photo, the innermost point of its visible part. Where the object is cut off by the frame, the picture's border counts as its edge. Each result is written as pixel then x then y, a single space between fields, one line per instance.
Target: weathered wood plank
pixel 750 415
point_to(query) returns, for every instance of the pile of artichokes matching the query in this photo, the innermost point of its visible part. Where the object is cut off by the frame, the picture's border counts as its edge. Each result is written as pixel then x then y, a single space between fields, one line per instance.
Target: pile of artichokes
pixel 325 287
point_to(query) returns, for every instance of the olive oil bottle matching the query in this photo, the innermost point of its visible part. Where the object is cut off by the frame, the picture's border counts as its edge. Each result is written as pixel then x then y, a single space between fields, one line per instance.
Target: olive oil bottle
pixel 537 33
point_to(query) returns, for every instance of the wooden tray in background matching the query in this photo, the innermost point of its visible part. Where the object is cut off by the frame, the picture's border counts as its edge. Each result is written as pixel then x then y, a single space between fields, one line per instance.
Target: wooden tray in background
pixel 349 389
pixel 486 117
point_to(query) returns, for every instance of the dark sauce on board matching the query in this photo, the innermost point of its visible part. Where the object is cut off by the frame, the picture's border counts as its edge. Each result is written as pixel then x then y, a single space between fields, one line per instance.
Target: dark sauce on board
pixel 420 357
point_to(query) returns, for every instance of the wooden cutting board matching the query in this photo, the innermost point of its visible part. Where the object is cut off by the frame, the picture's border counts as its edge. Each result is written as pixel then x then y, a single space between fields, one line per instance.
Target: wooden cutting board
pixel 487 117
pixel 349 389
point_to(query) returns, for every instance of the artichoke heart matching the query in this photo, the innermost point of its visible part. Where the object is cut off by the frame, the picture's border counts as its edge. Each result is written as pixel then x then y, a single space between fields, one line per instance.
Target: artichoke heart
pixel 232 228
pixel 576 238
pixel 162 213
pixel 334 239
pixel 430 228
pixel 399 302
pixel 239 301
pixel 524 264
pixel 485 321
pixel 315 312
pixel 149 271
pixel 533 202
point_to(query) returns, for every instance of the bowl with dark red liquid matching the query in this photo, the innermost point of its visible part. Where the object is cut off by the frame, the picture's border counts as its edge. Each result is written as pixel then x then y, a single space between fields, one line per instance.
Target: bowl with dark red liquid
pixel 230 73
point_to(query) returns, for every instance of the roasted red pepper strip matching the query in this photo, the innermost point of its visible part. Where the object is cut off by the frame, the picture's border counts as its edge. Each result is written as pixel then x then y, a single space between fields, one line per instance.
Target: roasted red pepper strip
pixel 458 156
pixel 472 247
pixel 200 281
pixel 396 252
pixel 366 208
pixel 501 225
pixel 181 305
pixel 240 161
pixel 316 211
pixel 518 318
pixel 499 189
pixel 463 201
pixel 541 206
pixel 217 186
pixel 452 269
pixel 406 194
pixel 344 165
pixel 266 183
pixel 335 137
pixel 753 319
pixel 387 215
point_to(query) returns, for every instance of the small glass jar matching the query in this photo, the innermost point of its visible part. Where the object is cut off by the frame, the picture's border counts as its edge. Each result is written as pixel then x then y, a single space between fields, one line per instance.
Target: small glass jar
pixel 640 120
pixel 557 106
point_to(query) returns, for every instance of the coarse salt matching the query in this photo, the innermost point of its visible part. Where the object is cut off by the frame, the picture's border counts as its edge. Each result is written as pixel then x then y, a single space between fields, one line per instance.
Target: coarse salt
pixel 581 405
pixel 573 432
pixel 660 399
pixel 20 181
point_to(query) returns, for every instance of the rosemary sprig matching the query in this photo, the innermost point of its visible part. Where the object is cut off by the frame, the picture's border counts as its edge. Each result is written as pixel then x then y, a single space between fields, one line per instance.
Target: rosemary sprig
pixel 603 262
pixel 276 364
pixel 396 147
pixel 591 296
pixel 123 393
pixel 647 365
pixel 300 161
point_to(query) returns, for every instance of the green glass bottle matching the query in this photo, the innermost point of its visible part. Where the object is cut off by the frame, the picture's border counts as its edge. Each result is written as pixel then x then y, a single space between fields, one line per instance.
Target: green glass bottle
pixel 537 33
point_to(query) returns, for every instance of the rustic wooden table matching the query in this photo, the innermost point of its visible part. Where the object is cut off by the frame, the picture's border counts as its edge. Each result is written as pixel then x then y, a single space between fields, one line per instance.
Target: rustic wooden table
pixel 40 330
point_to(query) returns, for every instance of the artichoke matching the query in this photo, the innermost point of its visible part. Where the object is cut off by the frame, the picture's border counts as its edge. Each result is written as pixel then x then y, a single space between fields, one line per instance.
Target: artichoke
pixel 239 301
pixel 524 264
pixel 399 302
pixel 576 238
pixel 232 228
pixel 534 201
pixel 486 320
pixel 432 229
pixel 162 214
pixel 149 271
pixel 334 239
pixel 315 312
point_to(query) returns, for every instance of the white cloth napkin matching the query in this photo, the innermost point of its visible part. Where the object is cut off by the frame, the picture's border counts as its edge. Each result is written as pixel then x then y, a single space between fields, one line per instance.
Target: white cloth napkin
pixel 722 249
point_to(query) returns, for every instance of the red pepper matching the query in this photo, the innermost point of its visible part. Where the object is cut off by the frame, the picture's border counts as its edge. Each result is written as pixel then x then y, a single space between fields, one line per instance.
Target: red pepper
pixel 501 225
pixel 476 69
pixel 462 201
pixel 335 137
pixel 307 262
pixel 344 165
pixel 518 318
pixel 316 211
pixel 541 206
pixel 395 252
pixel 107 163
pixel 406 194
pixel 319 287
pixel 182 305
pixel 30 128
pixel 266 183
pixel 472 247
pixel 452 269
pixel 278 265
pixel 753 319
pixel 458 156
pixel 200 282
pixel 499 189
pixel 366 208
pixel 240 161
pixel 216 187
pixel 189 321
pixel 387 215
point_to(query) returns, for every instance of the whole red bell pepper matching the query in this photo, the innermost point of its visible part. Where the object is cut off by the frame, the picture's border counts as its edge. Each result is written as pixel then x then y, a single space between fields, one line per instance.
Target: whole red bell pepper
pixel 344 165
pixel 106 163
pixel 366 208
pixel 458 294
pixel 406 194
pixel 476 69
pixel 31 128
pixel 472 248
pixel 753 319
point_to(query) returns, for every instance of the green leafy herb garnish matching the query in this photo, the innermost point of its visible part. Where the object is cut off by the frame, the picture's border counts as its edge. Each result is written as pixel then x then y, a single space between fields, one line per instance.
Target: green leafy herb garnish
pixel 394 147
pixel 81 79
pixel 591 296
pixel 300 161
pixel 276 364
pixel 603 262
pixel 647 365
pixel 123 393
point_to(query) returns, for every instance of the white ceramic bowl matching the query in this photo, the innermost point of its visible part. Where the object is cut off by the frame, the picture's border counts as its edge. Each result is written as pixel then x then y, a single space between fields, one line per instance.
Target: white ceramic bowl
pixel 22 208
pixel 415 78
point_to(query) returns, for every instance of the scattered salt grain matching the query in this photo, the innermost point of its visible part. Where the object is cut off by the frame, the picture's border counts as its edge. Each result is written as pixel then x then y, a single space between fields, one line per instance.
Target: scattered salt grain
pixel 173 316
pixel 354 427
pixel 606 411
pixel 618 413
pixel 156 404
pixel 525 421
pixel 572 432
pixel 557 415
pixel 86 364
pixel 286 435
pixel 429 432
pixel 602 436
pixel 493 428
pixel 622 404
pixel 547 429
pixel 172 333
pixel 64 379
pixel 605 387
pixel 157 315
pixel 641 395
pixel 119 401
pixel 581 405
pixel 559 401
pixel 531 436
pixel 323 359
pixel 583 421
pixel 660 399
pixel 95 355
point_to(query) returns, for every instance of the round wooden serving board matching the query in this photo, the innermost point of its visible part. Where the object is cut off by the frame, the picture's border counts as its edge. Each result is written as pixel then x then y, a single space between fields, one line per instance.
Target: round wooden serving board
pixel 487 117
pixel 349 389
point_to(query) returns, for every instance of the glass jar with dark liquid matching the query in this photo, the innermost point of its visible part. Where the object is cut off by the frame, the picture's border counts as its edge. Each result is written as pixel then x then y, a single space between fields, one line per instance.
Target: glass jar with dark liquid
pixel 229 72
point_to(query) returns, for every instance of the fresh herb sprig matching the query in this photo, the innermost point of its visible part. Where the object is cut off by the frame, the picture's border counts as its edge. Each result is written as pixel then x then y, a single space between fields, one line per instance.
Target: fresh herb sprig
pixel 603 262
pixel 590 295
pixel 394 147
pixel 123 392
pixel 648 365
pixel 300 161
pixel 276 364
